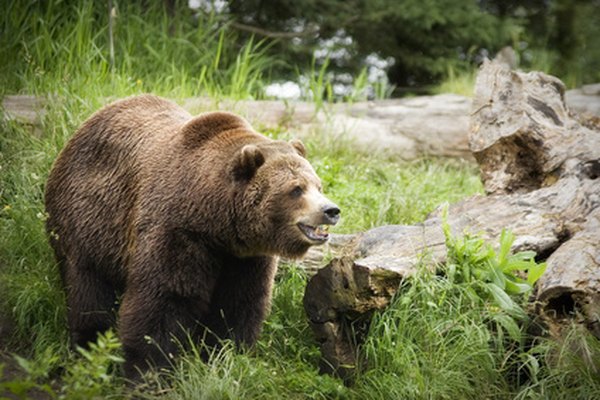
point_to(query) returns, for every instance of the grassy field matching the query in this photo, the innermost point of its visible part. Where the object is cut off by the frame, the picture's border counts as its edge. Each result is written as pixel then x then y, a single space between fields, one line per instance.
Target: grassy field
pixel 442 338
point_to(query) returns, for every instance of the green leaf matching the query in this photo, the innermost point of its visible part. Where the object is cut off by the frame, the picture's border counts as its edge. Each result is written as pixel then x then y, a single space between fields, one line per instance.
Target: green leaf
pixel 451 268
pixel 506 240
pixel 517 265
pixel 472 295
pixel 509 325
pixel 535 272
pixel 503 300
pixel 23 363
pixel 497 277
pixel 530 361
pixel 513 287
pixel 467 272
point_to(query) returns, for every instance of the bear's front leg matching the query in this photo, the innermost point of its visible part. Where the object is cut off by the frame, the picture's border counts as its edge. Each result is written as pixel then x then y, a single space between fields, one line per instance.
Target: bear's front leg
pixel 154 325
pixel 168 291
pixel 242 299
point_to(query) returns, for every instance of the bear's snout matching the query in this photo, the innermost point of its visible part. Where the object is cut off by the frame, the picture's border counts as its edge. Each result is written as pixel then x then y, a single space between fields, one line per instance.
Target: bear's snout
pixel 315 225
pixel 331 213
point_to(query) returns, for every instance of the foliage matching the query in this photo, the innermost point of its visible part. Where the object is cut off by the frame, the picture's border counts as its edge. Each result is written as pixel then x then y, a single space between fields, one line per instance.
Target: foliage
pixel 433 341
pixel 457 82
pixel 423 38
pixel 566 367
pixel 450 335
pixel 90 374
pixel 319 84
pixel 560 37
pixel 31 294
pixel 427 40
pixel 21 388
pixel 93 375
pixel 436 341
pixel 60 41
pixel 488 274
pixel 373 190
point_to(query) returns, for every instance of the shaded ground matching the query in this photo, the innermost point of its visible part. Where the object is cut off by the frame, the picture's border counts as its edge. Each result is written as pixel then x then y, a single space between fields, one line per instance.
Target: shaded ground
pixel 11 371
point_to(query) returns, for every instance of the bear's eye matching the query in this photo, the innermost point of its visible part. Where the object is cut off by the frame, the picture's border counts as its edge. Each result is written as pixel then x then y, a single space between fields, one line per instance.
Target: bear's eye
pixel 297 191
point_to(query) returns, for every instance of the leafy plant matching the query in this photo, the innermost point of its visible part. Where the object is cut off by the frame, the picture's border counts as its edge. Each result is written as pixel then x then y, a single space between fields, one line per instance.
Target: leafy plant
pixel 443 336
pixel 359 87
pixel 489 273
pixel 317 83
pixel 95 374
pixel 22 388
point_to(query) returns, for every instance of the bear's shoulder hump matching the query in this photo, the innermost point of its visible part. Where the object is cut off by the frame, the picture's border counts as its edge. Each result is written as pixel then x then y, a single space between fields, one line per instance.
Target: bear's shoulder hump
pixel 209 125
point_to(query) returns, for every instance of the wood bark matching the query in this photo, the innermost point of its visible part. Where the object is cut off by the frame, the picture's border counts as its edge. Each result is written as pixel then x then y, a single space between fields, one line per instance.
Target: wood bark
pixel 540 166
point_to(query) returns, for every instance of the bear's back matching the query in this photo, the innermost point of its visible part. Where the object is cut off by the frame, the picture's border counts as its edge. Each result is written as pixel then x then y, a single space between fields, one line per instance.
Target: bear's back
pixel 92 188
pixel 120 131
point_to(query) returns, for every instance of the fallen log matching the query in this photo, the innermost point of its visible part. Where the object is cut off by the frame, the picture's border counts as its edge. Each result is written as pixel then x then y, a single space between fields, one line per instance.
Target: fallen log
pixel 539 166
pixel 407 128
pixel 570 288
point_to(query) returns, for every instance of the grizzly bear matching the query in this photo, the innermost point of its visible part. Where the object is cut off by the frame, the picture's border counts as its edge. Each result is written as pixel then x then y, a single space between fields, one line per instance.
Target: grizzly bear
pixel 177 222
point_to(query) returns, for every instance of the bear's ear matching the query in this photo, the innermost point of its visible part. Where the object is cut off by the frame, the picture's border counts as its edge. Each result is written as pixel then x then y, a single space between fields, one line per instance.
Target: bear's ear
pixel 299 146
pixel 249 159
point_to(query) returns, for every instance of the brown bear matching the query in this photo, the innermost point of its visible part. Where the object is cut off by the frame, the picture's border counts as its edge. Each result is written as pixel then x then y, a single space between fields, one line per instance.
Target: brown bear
pixel 184 217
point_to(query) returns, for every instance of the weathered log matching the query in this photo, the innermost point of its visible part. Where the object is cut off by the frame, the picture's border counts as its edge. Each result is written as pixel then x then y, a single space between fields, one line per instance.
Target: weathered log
pixel 570 288
pixel 409 128
pixel 365 276
pixel 585 100
pixel 521 132
pixel 345 292
pixel 26 110
pixel 540 167
pixel 23 108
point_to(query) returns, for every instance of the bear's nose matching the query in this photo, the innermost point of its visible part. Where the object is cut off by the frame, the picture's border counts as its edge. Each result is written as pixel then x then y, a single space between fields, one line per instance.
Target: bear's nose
pixel 332 213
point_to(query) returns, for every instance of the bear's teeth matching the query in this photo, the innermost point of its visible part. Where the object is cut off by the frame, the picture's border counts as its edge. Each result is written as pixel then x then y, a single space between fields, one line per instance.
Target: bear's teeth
pixel 322 230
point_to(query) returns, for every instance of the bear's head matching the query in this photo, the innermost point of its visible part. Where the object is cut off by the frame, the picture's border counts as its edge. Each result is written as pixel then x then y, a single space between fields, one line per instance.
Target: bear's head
pixel 282 210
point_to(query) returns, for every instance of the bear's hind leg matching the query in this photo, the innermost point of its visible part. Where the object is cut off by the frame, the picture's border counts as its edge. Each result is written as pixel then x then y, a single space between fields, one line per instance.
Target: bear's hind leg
pixel 91 302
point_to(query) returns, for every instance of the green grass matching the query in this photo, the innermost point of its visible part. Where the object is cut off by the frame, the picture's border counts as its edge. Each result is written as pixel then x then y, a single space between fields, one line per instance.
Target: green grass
pixel 434 341
pixel 457 82
pixel 572 73
pixel 62 48
pixel 374 191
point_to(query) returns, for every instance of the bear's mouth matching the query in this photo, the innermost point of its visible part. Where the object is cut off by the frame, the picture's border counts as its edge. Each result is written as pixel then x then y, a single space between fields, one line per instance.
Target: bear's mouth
pixel 318 233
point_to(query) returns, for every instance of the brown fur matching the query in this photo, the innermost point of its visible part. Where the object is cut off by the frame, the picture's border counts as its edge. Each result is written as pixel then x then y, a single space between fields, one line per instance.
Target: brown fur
pixel 183 216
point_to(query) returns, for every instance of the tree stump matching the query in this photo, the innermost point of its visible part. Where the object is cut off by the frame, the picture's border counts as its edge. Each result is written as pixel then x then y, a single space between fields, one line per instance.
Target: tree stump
pixel 539 163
